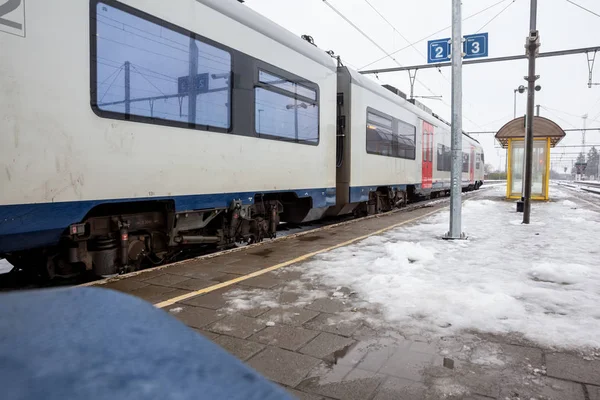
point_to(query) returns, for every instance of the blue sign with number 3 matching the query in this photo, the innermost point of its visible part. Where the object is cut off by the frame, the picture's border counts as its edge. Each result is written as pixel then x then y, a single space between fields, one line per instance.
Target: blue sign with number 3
pixel 476 46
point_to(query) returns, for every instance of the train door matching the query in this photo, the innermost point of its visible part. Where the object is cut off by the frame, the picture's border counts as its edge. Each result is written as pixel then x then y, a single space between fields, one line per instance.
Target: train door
pixel 472 166
pixel 427 173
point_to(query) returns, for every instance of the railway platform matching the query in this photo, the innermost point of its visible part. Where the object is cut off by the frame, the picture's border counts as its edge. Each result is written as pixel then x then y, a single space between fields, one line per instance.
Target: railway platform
pixel 381 308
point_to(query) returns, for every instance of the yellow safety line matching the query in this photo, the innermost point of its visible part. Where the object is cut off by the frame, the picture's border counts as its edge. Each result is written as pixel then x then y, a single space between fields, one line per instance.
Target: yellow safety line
pixel 174 300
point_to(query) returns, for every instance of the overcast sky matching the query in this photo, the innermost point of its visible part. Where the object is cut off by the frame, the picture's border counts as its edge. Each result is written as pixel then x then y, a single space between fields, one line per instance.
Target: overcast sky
pixel 488 88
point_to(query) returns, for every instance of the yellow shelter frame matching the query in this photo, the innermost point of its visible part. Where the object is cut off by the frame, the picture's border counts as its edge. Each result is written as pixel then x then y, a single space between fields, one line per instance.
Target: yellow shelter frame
pixel 545 177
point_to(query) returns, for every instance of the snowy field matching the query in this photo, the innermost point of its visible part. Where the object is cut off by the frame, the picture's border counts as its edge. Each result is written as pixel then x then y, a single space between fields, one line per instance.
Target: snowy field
pixel 541 281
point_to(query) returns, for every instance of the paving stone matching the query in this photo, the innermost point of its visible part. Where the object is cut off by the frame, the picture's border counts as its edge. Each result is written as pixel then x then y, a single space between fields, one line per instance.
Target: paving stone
pixel 205 271
pixel 284 336
pixel 209 335
pixel 146 274
pixel 571 368
pixel 225 277
pixel 196 317
pixel 481 381
pixel 407 365
pixel 326 345
pixel 152 293
pixel 379 352
pixel 304 396
pixel 263 282
pixel 283 366
pixel 239 268
pixel 286 274
pixel 327 305
pixel 594 392
pixel 193 284
pixel 289 316
pixel 237 325
pixel 167 295
pixel 562 390
pixel 255 312
pixel 548 388
pixel 124 285
pixel 333 324
pixel 357 385
pixel 400 389
pixel 423 347
pixel 213 300
pixel 166 280
pixel 523 355
pixel 242 349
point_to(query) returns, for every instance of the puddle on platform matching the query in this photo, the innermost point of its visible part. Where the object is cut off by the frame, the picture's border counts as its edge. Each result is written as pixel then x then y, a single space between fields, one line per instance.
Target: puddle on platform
pixel 262 253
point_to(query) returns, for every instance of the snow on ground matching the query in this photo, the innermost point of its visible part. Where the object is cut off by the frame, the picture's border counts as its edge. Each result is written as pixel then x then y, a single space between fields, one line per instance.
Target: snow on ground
pixel 540 280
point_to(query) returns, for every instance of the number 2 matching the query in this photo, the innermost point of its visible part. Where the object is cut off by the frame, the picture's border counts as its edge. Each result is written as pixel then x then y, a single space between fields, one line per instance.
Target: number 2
pixel 6 8
pixel 475 48
pixel 439 52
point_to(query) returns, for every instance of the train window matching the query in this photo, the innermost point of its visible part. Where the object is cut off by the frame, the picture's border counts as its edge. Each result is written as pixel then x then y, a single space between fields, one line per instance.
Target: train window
pixel 465 162
pixel 389 136
pixel 286 109
pixel 291 87
pixel 477 160
pixel 147 70
pixel 440 157
pixel 444 158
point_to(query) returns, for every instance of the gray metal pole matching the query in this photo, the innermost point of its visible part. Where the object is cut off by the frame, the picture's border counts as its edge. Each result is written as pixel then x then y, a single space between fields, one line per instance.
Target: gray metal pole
pixel 532 43
pixel 127 87
pixel 537 111
pixel 193 73
pixel 515 104
pixel 456 178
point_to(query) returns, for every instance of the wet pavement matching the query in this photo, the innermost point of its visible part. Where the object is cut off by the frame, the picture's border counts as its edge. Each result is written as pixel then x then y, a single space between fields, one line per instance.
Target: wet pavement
pixel 322 342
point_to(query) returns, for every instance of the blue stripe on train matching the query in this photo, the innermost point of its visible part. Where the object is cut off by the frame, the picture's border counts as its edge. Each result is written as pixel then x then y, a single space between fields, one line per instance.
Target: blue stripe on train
pixel 25 226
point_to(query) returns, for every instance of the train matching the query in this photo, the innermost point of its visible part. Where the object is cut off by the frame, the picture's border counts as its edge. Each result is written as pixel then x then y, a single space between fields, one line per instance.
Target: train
pixel 134 129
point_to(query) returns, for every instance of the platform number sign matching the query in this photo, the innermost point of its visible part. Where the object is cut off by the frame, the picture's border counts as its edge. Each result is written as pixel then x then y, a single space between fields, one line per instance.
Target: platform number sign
pixel 474 46
pixel 12 17
pixel 438 50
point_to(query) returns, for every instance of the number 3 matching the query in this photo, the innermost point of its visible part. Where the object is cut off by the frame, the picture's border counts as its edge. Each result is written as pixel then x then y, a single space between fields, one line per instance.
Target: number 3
pixel 475 48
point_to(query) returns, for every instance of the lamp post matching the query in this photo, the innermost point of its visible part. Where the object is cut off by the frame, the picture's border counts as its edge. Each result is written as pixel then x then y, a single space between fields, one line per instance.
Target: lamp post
pixel 521 89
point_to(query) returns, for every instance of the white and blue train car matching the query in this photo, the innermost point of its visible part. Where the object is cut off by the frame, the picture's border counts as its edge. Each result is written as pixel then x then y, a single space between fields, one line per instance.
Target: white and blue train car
pixel 132 127
pixel 387 148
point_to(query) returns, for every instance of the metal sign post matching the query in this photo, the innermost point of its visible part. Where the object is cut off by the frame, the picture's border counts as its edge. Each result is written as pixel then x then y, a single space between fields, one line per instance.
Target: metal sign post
pixel 455 231
pixel 532 44
pixel 438 51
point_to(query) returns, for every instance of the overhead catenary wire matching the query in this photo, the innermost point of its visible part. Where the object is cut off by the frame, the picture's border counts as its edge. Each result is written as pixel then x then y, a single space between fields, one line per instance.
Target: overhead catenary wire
pixel 495 16
pixel 583 8
pixel 433 34
pixel 370 40
pixel 341 15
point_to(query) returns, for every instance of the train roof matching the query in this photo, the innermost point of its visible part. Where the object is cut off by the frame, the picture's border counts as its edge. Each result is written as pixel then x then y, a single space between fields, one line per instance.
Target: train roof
pixel 423 112
pixel 250 18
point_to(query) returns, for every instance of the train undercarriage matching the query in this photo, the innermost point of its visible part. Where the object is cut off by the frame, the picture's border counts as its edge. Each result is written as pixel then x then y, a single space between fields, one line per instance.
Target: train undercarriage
pixel 125 237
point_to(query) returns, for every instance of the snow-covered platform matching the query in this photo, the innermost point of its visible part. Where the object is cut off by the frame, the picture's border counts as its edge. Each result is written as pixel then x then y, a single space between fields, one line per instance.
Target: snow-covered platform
pixel 361 311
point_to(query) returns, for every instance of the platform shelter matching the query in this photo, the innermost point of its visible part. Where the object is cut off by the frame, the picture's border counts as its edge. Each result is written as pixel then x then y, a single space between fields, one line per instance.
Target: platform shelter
pixel 546 134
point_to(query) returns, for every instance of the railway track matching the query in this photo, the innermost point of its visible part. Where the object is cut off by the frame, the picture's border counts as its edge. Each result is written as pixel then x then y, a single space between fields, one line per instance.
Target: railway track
pixel 19 280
